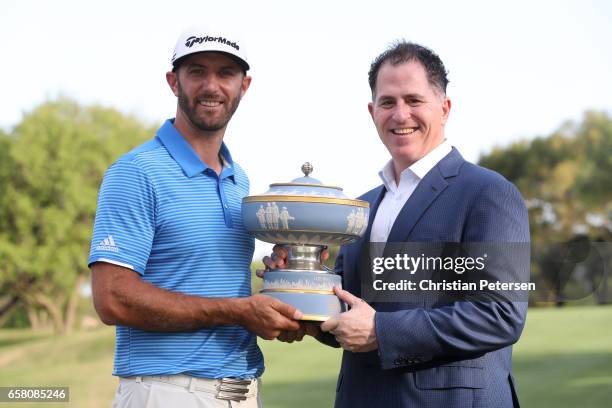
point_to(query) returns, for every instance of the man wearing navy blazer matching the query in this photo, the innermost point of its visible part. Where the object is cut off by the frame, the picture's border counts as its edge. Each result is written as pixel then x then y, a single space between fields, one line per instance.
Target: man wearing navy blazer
pixel 426 353
pixel 400 354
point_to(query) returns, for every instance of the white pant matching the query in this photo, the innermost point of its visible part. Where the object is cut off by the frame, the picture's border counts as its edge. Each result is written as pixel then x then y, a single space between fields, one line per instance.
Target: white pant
pixel 159 392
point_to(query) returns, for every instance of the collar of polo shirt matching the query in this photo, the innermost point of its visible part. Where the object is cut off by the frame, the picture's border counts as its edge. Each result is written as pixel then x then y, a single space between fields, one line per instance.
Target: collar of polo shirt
pixel 182 152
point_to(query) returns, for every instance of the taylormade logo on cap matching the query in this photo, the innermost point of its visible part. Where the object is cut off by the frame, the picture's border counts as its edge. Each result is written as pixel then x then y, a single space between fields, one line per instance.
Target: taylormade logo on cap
pixel 206 39
pixel 193 40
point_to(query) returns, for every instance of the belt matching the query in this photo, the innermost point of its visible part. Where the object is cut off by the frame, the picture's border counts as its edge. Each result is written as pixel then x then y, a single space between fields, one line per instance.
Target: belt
pixel 229 389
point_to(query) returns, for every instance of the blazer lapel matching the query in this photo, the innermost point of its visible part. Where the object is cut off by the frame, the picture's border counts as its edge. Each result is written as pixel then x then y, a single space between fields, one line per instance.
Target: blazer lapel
pixel 426 192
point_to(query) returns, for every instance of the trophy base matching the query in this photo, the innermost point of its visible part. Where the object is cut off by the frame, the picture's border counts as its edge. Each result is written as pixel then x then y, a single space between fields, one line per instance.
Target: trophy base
pixel 315 307
pixel 310 292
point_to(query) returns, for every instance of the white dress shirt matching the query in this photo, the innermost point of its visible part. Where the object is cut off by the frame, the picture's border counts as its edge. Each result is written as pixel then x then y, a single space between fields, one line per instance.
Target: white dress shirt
pixel 397 195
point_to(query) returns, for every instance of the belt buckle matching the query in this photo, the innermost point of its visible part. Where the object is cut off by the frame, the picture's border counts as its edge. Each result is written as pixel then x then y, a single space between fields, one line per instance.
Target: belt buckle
pixel 232 389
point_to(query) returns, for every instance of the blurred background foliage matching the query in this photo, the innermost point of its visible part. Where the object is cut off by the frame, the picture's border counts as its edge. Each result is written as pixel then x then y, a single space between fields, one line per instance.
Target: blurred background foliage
pixel 566 181
pixel 51 166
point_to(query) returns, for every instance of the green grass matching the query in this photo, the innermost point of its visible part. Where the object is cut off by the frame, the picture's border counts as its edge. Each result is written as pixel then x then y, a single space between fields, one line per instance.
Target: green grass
pixel 82 361
pixel 300 374
pixel 564 359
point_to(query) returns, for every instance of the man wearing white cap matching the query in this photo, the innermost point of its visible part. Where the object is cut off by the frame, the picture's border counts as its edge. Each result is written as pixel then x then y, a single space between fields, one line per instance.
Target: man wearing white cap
pixel 170 257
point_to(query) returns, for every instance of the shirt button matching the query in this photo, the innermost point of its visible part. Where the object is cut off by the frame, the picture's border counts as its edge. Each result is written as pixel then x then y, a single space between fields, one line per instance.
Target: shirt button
pixel 226 206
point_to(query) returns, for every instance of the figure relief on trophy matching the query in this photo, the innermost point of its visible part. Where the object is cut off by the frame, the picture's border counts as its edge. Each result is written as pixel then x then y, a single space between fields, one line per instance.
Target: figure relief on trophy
pixel 305 216
pixel 273 218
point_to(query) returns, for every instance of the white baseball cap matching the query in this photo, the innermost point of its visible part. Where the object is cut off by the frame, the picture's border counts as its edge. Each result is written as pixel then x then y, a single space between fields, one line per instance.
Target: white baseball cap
pixel 208 39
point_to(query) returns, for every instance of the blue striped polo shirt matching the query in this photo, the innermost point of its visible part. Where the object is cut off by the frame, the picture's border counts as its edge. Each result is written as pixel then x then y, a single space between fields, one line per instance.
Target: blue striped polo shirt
pixel 165 214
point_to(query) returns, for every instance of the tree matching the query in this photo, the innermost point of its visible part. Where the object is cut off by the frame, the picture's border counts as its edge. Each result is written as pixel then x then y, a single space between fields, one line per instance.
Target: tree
pixel 56 157
pixel 8 301
pixel 565 180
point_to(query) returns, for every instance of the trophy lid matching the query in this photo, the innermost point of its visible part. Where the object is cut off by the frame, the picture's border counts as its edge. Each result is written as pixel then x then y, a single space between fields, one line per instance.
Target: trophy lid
pixel 305 211
pixel 305 186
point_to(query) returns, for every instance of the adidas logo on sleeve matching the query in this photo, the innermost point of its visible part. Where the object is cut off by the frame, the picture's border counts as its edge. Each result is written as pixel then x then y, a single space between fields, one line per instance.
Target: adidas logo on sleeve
pixel 107 244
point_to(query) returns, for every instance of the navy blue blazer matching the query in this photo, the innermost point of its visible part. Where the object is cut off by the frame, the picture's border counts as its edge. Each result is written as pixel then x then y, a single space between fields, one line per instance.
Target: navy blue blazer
pixel 430 355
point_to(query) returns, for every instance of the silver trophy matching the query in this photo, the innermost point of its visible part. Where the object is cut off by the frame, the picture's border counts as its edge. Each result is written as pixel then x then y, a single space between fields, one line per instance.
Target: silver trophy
pixel 305 216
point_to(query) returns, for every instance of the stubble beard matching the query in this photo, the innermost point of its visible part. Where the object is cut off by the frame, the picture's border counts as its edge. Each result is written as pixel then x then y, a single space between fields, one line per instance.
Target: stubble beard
pixel 190 110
